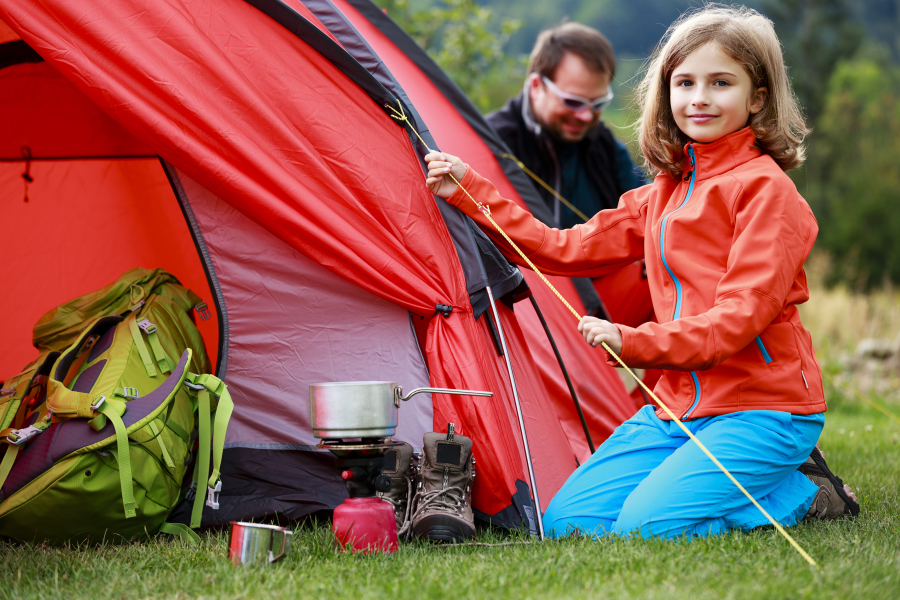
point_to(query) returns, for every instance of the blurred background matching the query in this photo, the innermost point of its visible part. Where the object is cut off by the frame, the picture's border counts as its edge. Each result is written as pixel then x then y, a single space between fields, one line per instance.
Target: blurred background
pixel 844 61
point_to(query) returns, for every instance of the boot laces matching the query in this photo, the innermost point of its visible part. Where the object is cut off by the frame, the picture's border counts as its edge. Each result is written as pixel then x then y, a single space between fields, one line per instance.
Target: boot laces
pixel 451 500
pixel 396 503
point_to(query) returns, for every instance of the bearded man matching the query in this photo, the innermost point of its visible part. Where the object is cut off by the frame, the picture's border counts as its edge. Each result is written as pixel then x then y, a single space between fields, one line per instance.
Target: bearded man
pixel 554 126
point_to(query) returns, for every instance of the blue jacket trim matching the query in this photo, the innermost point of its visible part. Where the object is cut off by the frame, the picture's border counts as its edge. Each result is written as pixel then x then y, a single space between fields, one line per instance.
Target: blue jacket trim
pixel 662 237
pixel 662 253
pixel 762 349
pixel 696 395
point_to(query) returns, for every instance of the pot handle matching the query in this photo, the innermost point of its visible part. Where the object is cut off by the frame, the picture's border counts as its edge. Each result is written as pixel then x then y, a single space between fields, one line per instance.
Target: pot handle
pixel 398 393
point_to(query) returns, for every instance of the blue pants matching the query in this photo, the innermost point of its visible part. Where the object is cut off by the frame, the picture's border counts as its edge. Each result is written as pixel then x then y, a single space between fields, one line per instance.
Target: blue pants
pixel 650 478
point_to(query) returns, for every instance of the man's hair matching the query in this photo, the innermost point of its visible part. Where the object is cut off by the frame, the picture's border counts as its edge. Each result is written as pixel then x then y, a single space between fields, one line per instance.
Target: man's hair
pixel 749 39
pixel 585 42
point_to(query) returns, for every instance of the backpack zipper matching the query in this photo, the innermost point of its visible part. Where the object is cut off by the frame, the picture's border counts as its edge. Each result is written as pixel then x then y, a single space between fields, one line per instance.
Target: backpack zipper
pixel 692 177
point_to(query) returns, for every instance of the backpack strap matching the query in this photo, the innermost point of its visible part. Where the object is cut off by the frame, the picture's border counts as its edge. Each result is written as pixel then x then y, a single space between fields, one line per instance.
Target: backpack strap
pixel 6 465
pixel 162 447
pixel 141 346
pixel 16 436
pixel 136 327
pixel 65 403
pixel 182 531
pixel 110 409
pixel 214 441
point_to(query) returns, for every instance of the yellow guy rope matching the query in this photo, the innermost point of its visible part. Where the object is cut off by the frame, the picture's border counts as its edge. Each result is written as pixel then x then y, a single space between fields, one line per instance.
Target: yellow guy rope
pixel 871 403
pixel 400 116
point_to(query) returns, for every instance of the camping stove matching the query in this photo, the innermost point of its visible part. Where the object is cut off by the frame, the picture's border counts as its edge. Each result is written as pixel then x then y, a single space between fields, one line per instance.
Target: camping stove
pixel 355 421
pixel 364 522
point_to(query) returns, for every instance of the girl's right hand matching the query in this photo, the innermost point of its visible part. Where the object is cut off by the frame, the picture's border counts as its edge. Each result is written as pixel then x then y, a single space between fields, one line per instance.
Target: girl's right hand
pixel 440 166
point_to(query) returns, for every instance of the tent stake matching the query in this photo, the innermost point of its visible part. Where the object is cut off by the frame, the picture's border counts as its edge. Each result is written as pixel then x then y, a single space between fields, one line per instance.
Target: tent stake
pixel 512 379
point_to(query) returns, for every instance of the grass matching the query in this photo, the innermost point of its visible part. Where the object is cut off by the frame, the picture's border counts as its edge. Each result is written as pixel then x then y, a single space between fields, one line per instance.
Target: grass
pixel 857 560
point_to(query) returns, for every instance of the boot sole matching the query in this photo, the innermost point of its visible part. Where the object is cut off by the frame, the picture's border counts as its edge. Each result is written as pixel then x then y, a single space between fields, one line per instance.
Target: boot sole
pixel 851 508
pixel 443 528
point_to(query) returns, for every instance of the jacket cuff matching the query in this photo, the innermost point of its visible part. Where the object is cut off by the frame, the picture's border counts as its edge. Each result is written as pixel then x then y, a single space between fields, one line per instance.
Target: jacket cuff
pixel 626 347
pixel 458 197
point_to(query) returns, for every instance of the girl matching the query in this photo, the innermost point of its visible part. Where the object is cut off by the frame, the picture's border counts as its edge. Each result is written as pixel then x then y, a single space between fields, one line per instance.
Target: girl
pixel 725 235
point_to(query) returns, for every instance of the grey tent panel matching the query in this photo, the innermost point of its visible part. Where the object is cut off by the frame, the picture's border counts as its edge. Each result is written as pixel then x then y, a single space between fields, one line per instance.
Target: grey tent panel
pixel 292 322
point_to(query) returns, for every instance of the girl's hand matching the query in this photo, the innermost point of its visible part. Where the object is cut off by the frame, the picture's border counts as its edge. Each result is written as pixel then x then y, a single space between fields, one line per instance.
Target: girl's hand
pixel 440 166
pixel 597 330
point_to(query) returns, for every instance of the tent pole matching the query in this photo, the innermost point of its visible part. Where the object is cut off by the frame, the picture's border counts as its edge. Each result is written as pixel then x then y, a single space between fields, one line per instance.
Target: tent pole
pixel 512 379
pixel 587 432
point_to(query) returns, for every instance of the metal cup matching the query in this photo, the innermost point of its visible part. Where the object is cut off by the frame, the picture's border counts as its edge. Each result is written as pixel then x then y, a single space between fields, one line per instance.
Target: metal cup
pixel 255 544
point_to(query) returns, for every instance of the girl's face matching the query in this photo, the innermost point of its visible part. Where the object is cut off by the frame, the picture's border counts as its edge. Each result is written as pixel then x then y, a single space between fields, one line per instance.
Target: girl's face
pixel 711 95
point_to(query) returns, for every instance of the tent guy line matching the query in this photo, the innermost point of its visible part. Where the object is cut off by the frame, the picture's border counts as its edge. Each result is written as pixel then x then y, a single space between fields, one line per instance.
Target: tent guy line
pixel 543 184
pixel 401 116
pixel 868 401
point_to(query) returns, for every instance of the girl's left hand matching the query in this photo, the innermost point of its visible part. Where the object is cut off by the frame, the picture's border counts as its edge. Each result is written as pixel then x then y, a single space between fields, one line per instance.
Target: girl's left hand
pixel 597 330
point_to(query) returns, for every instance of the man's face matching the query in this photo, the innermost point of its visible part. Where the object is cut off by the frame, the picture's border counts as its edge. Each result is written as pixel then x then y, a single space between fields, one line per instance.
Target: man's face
pixel 573 77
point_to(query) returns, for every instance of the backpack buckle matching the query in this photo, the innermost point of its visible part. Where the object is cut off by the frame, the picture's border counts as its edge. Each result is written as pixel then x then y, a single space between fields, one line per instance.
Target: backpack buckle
pixel 203 310
pixel 7 392
pixel 100 401
pixel 194 386
pixel 212 495
pixel 146 326
pixel 17 437
pixel 191 491
pixel 130 392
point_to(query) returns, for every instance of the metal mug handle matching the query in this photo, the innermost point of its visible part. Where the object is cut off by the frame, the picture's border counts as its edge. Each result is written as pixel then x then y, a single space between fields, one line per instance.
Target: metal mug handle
pixel 284 534
pixel 398 393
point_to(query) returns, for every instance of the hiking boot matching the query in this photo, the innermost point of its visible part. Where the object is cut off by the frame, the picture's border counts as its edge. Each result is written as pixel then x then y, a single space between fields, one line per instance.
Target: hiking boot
pixel 398 466
pixel 443 501
pixel 832 500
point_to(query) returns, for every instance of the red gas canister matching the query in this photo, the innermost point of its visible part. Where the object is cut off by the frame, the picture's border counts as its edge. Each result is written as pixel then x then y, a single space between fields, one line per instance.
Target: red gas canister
pixel 365 524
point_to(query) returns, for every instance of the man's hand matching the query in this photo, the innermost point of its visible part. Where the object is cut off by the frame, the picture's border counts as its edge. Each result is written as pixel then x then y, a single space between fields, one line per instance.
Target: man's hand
pixel 597 330
pixel 440 166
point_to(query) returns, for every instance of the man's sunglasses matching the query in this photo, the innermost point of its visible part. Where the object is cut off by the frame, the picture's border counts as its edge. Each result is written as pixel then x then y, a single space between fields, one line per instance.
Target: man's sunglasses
pixel 578 103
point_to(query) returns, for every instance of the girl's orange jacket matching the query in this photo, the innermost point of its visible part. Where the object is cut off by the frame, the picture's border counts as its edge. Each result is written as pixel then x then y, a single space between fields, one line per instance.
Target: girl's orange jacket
pixel 725 247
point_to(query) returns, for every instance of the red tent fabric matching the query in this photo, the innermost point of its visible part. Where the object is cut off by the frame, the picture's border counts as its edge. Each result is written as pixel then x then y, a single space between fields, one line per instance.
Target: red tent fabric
pixel 104 194
pixel 255 115
pixel 601 392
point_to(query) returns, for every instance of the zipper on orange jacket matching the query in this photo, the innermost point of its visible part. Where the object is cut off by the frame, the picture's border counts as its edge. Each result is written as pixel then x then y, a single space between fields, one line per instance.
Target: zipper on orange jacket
pixel 692 176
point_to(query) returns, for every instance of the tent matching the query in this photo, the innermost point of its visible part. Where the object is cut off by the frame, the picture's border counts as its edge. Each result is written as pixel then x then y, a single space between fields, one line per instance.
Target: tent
pixel 456 126
pixel 244 149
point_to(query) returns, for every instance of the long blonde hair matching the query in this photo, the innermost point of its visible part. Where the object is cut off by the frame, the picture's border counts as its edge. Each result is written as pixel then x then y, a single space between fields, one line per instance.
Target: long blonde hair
pixel 749 39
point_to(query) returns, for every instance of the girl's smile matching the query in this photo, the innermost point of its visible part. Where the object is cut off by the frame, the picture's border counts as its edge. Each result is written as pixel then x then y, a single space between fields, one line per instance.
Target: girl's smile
pixel 711 95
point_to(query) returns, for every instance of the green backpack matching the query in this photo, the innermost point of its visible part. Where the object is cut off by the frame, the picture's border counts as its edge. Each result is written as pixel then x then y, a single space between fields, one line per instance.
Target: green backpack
pixel 102 433
pixel 60 327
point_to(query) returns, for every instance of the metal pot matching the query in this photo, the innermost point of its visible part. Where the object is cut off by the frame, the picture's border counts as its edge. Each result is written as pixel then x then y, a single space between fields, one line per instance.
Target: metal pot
pixel 362 409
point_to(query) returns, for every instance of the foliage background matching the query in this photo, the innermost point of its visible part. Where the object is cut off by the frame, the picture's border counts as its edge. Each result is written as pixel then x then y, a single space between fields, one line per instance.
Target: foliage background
pixel 843 58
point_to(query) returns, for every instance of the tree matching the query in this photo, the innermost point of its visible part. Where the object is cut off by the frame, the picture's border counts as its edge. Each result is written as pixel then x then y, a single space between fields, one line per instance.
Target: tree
pixel 854 173
pixel 815 34
pixel 467 42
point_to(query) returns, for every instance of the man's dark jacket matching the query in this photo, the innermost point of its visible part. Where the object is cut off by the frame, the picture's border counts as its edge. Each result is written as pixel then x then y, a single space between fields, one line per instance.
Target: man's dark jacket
pixel 607 161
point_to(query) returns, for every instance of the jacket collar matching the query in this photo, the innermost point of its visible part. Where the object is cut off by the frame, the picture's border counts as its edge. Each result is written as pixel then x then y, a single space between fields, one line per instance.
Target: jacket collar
pixel 722 155
pixel 527 115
